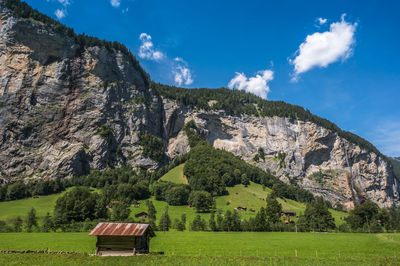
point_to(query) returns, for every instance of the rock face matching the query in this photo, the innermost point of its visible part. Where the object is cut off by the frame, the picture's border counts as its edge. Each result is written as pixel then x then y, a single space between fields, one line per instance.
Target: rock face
pixel 296 151
pixel 66 109
pixel 56 98
pixel 396 165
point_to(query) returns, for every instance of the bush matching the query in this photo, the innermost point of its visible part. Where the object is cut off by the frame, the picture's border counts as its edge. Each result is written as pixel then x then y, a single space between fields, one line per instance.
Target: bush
pixel 201 200
pixel 78 205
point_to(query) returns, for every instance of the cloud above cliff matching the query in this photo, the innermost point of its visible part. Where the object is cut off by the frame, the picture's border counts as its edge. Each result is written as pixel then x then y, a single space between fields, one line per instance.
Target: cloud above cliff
pixel 182 73
pixel 177 69
pixel 115 3
pixel 323 48
pixel 257 85
pixel 147 50
pixel 60 13
pixel 322 21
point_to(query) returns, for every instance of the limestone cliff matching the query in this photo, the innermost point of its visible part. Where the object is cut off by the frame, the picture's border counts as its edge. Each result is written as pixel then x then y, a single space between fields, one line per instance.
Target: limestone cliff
pixel 296 151
pixel 66 109
pixel 56 97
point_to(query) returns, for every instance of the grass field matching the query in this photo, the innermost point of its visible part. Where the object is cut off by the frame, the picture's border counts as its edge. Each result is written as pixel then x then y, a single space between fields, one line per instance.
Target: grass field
pixel 224 248
pixel 175 175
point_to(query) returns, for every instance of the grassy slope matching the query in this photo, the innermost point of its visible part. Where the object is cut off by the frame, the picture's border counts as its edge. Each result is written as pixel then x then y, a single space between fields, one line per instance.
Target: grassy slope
pixel 175 175
pixel 252 196
pixel 43 204
pixel 223 247
pixel 12 209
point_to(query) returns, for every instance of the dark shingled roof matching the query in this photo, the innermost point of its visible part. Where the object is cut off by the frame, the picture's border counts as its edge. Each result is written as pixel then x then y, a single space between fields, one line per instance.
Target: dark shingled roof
pixel 120 229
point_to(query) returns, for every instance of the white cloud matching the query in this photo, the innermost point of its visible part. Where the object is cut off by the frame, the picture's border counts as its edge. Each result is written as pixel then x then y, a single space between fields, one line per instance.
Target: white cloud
pixel 322 21
pixel 65 2
pixel 115 3
pixel 146 49
pixel 182 73
pixel 322 49
pixel 177 70
pixel 60 13
pixel 257 85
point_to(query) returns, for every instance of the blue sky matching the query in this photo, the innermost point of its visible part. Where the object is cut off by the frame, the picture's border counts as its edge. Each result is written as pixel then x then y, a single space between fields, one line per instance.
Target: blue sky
pixel 341 67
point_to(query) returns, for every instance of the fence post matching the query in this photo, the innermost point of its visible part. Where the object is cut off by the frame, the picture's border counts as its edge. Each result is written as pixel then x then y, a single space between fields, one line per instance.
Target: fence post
pixel 296 252
pixel 316 253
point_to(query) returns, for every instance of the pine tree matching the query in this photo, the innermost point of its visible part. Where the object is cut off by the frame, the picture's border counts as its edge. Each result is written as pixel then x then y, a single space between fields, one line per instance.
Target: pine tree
pixel 17 224
pixel 212 224
pixel 165 221
pixel 236 221
pixel 31 220
pixel 183 218
pixel 47 224
pixel 260 223
pixel 220 220
pixel 151 212
pixel 273 210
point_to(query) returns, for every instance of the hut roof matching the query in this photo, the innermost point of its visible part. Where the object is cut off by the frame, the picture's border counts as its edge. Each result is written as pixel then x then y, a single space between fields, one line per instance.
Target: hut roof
pixel 120 229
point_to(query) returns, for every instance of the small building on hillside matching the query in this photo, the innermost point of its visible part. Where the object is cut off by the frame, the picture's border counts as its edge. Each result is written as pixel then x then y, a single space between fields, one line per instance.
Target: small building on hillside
pixel 142 215
pixel 122 239
pixel 288 214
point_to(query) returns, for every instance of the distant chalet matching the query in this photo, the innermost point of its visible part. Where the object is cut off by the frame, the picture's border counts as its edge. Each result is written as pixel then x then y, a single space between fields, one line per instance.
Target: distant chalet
pixel 288 214
pixel 142 215
pixel 122 239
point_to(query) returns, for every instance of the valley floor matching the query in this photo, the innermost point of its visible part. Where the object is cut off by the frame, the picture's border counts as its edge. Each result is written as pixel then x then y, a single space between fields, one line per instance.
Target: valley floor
pixel 221 248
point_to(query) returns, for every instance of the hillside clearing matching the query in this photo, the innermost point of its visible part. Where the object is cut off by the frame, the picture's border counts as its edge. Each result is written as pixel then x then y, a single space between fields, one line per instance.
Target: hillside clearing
pixel 175 175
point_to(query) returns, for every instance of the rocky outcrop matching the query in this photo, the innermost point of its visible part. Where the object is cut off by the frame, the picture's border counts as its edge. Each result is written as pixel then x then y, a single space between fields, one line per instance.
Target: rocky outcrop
pixel 66 109
pixel 296 151
pixel 56 97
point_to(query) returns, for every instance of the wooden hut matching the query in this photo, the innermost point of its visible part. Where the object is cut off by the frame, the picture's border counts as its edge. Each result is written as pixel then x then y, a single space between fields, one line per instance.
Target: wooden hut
pixel 142 215
pixel 288 214
pixel 122 239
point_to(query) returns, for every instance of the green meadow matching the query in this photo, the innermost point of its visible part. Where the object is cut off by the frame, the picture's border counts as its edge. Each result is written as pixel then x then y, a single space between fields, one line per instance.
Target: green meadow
pixel 222 248
pixel 175 175
pixel 252 197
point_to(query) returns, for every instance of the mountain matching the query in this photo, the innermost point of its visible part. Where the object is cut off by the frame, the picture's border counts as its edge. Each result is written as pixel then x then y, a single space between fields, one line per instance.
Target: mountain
pixel 71 103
